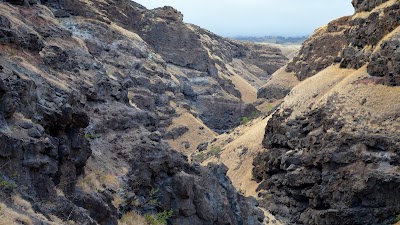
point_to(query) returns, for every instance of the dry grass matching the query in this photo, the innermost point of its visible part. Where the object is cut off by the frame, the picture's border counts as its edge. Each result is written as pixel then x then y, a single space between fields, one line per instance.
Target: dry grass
pixel 238 154
pixel 366 105
pixel 132 218
pixel 194 135
pixel 95 179
pixel 362 104
pixel 306 93
pixel 10 217
pixel 282 79
pixel 249 93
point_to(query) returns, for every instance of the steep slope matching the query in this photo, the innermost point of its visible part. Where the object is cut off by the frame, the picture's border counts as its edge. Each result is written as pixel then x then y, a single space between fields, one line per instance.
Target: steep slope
pixel 90 90
pixel 332 149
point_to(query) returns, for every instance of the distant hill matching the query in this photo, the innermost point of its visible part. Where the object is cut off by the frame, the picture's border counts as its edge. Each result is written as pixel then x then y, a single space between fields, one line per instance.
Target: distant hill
pixel 273 39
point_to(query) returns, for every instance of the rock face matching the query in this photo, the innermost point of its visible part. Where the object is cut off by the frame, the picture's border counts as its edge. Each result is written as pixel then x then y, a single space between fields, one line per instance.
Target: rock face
pixel 314 176
pixel 331 152
pixel 320 50
pixel 366 32
pixel 202 61
pixel 102 80
pixel 366 5
pixel 350 40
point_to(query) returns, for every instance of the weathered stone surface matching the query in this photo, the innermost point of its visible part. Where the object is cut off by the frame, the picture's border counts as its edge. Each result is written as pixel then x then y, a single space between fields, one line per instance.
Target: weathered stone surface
pixel 320 50
pixel 369 31
pixel 313 176
pixel 366 5
pixel 176 132
pixel 110 80
pixel 386 62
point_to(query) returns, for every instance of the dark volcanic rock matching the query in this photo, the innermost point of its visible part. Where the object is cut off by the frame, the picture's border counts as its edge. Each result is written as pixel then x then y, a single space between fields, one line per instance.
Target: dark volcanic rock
pixel 106 85
pixel 315 173
pixel 386 62
pixel 182 188
pixel 176 132
pixel 369 31
pixel 320 50
pixel 202 147
pixel 366 5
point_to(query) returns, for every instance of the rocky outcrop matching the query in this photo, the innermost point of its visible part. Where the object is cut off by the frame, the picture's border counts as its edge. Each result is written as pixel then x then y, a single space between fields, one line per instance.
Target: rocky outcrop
pixel 314 176
pixel 367 33
pixel 366 5
pixel 331 150
pixel 350 40
pixel 320 50
pixel 385 63
pixel 184 188
pixel 105 86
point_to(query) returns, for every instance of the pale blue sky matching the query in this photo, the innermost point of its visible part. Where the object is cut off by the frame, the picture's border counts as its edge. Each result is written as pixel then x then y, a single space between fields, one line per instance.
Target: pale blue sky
pixel 258 17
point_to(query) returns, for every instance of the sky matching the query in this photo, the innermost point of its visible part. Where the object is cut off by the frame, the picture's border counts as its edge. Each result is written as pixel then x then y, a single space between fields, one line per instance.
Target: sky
pixel 231 18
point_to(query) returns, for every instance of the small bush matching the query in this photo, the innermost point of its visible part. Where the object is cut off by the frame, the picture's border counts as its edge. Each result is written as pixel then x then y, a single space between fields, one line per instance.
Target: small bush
pixel 397 218
pixel 199 158
pixel 7 185
pixel 215 151
pixel 159 218
pixel 255 114
pixel 132 218
pixel 245 120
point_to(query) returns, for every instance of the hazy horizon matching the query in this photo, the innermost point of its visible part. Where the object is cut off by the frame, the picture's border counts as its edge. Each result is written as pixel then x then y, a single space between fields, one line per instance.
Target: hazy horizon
pixel 231 18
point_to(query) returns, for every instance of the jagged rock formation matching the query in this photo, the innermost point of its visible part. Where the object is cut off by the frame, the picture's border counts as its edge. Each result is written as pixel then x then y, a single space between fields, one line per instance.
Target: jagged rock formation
pixel 104 80
pixel 320 50
pixel 332 152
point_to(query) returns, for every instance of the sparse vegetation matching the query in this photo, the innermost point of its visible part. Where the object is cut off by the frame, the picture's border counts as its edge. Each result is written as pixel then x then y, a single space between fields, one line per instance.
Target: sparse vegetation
pixel 397 219
pixel 132 218
pixel 159 218
pixel 200 157
pixel 255 114
pixel 7 185
pixel 215 151
pixel 92 136
pixel 245 120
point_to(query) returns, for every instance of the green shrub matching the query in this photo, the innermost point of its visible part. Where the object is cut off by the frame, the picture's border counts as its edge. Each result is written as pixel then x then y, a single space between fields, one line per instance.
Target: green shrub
pixel 397 218
pixel 215 151
pixel 199 158
pixel 159 218
pixel 245 120
pixel 7 185
pixel 255 114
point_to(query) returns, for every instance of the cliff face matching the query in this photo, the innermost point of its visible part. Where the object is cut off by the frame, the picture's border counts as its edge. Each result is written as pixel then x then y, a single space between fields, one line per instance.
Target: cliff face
pixel 332 149
pixel 103 80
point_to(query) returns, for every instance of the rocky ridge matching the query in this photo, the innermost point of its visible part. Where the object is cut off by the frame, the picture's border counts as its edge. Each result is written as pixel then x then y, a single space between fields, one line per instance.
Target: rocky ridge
pixel 331 150
pixel 87 92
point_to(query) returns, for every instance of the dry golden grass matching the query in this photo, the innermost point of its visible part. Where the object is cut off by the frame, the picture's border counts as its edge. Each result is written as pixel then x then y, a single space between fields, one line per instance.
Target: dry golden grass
pixel 132 218
pixel 194 136
pixel 283 79
pixel 11 217
pixel 366 105
pixel 357 100
pixel 238 154
pixel 306 93
pixel 249 93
